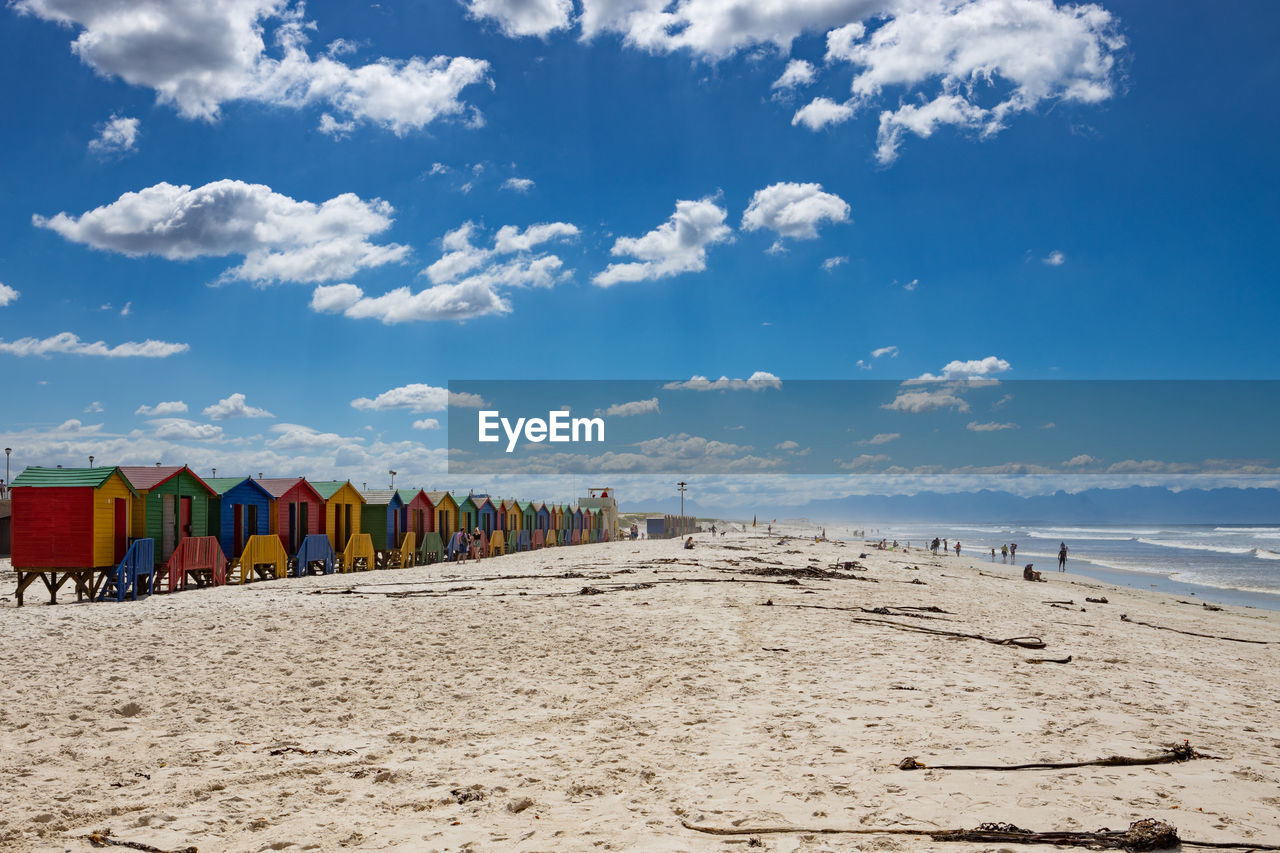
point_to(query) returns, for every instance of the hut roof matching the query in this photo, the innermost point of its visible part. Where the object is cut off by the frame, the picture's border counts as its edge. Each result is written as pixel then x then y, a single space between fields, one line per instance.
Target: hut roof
pixel 380 497
pixel 411 495
pixel 277 486
pixel 66 478
pixel 437 497
pixel 149 477
pixel 328 488
pixel 222 485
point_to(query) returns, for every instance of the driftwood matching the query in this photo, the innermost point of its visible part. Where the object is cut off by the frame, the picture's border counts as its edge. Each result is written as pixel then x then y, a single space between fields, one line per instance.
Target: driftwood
pixel 1174 755
pixel 1067 659
pixel 1125 618
pixel 104 839
pixel 1026 642
pixel 1142 835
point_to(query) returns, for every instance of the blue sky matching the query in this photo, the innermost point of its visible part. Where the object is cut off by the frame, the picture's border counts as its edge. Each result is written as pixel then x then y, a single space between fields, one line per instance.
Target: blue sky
pixel 1096 197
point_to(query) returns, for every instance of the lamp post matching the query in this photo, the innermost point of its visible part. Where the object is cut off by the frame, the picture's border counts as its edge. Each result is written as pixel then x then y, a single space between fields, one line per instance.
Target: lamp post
pixel 90 461
pixel 7 451
pixel 393 480
pixel 683 487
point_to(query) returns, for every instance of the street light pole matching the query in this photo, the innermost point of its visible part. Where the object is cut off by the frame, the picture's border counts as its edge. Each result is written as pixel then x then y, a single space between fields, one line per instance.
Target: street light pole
pixel 682 485
pixel 7 451
pixel 393 480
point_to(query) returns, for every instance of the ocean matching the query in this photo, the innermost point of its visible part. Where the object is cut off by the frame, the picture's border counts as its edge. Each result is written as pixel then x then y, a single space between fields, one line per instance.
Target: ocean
pixel 1223 563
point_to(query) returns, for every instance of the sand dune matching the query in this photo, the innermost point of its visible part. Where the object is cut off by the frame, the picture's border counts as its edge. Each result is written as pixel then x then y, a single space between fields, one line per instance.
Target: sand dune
pixel 517 714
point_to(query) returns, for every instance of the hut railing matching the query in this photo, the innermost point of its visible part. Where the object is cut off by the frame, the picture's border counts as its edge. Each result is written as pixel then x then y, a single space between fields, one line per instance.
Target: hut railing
pixel 359 547
pixel 262 550
pixel 194 554
pixel 138 563
pixel 315 548
pixel 407 549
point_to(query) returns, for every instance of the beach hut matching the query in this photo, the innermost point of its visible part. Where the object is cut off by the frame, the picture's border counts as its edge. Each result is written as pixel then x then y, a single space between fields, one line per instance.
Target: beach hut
pixel 382 518
pixel 239 509
pixel 446 511
pixel 343 505
pixel 486 514
pixel 69 524
pixel 544 518
pixel 511 520
pixel 297 511
pixel 468 514
pixel 173 503
pixel 418 512
pixel 528 516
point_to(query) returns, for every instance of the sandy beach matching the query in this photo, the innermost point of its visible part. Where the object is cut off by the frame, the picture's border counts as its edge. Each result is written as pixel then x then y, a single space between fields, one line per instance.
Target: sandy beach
pixel 494 706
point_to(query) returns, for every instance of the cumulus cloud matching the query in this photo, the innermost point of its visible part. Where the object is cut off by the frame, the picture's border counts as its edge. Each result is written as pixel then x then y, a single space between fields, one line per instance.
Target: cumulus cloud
pixel 831 263
pixel 758 381
pixel 714 29
pixel 634 407
pixel 164 409
pixel 863 461
pixel 983 61
pixel 234 407
pixel 798 72
pixel 682 446
pixel 299 437
pixel 679 245
pixel 468 280
pixel 417 398
pixel 794 210
pixel 927 401
pixel 881 438
pixel 1081 459
pixel 93 408
pixel 281 239
pixel 992 426
pixel 181 429
pixel 7 295
pixel 197 56
pixel 891 352
pixel 911 285
pixel 1055 258
pixel 426 423
pixel 523 17
pixel 821 112
pixel 118 135
pixel 67 343
pixel 519 185
pixel 962 370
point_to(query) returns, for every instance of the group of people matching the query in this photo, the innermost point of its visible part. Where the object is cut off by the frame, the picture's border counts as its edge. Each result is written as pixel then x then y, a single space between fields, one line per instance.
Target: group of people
pixel 1008 553
pixel 470 545
pixel 933 546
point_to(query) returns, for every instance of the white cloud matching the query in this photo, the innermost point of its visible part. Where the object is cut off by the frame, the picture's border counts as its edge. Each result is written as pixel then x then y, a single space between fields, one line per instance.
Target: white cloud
pixel 426 423
pixel 234 407
pixel 1055 259
pixel 679 245
pixel 468 280
pixel 417 398
pixel 864 460
pixel 821 112
pixel 67 343
pixel 992 426
pixel 523 17
pixel 1020 52
pixel 519 185
pixel 281 239
pixel 93 408
pixel 634 407
pixel 960 370
pixel 299 437
pixel 911 285
pixel 831 263
pixel 181 429
pixel 891 352
pixel 799 72
pixel 7 295
pixel 198 55
pixel 172 407
pixel 684 447
pixel 1082 459
pixel 881 438
pixel 714 29
pixel 758 381
pixel 117 136
pixel 794 210
pixel 127 309
pixel 926 401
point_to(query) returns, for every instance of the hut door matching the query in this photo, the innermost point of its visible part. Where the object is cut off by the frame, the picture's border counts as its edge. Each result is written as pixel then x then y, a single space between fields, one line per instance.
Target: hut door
pixel 303 529
pixel 346 525
pixel 293 529
pixel 251 519
pixel 184 518
pixel 121 531
pixel 237 529
pixel 167 521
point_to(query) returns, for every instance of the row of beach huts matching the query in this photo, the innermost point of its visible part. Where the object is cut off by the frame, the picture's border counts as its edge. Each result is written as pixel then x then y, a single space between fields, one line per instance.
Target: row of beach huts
pixel 120 531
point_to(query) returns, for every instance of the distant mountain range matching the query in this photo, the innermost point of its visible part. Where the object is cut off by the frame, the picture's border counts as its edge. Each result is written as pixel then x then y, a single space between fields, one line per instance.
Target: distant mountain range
pixel 1137 503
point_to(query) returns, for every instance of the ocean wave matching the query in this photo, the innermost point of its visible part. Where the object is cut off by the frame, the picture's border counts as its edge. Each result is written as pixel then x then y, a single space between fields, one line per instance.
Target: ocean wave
pixel 1195 546
pixel 1272 529
pixel 1123 532
pixel 1264 554
pixel 1094 537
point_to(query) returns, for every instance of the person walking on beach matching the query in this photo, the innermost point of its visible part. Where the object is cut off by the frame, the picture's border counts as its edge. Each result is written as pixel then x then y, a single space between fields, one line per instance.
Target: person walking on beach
pixel 1004 553
pixel 475 543
pixel 944 547
pixel 993 553
pixel 1062 556
pixel 957 547
pixel 933 546
pixel 1013 550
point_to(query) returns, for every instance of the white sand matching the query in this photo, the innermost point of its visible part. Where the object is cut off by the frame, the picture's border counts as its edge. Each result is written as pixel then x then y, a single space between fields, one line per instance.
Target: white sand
pixel 610 717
